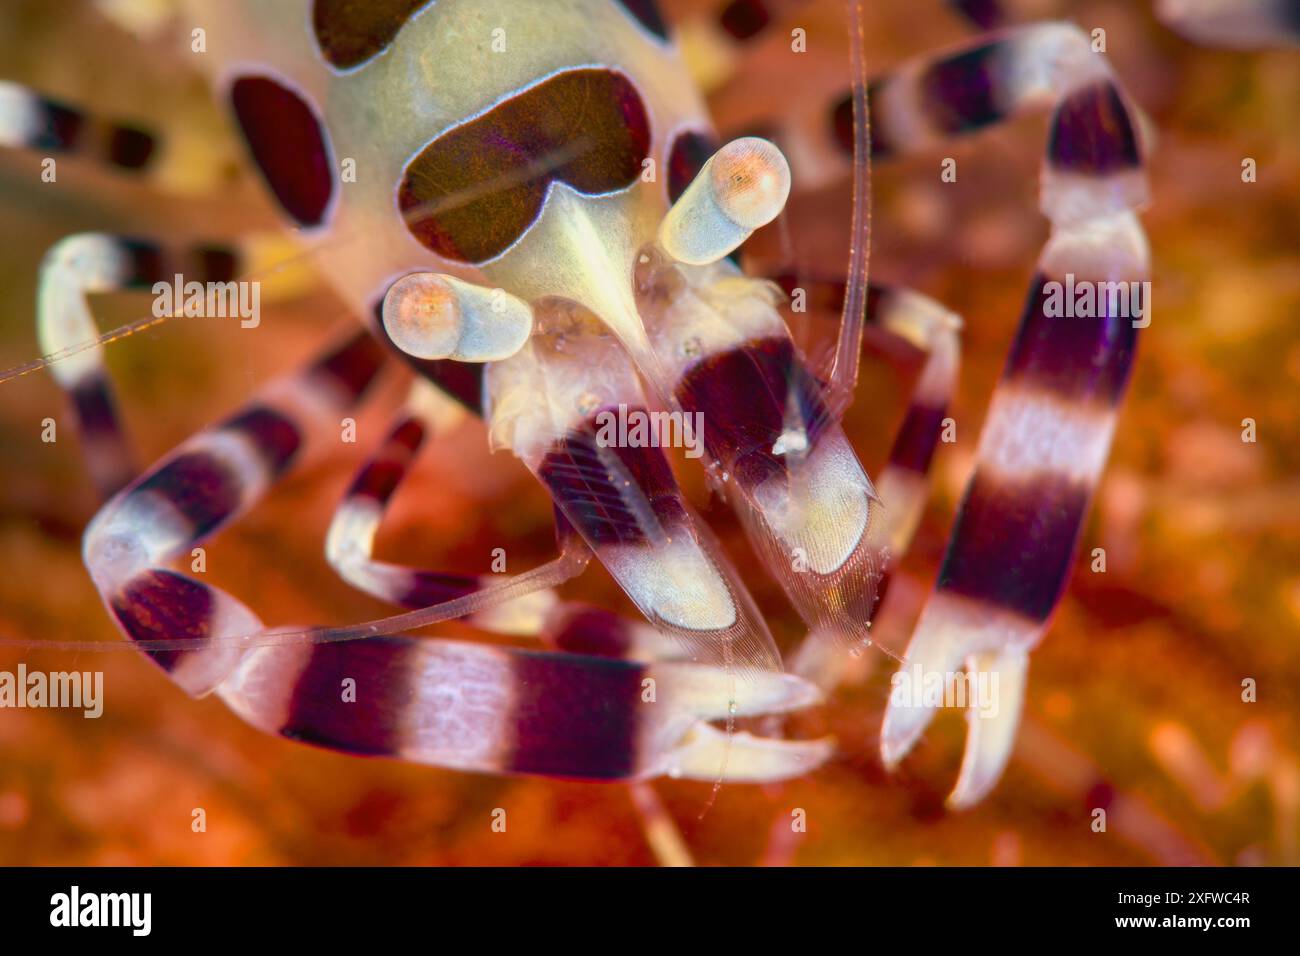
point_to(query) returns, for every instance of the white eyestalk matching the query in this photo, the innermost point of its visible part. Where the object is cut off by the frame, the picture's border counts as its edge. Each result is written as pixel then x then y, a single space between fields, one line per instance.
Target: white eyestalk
pixel 435 316
pixel 743 186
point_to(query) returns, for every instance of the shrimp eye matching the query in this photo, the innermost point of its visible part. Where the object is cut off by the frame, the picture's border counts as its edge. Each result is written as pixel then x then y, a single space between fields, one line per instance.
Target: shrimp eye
pixel 478 187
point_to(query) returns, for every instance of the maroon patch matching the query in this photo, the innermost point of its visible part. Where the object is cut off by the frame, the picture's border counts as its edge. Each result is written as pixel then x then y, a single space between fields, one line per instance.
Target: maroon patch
pixel 478 187
pixel 842 122
pixel 275 437
pixel 745 19
pixel 129 147
pixel 604 490
pixel 690 151
pixel 576 716
pixel 594 631
pixel 159 605
pixel 1078 358
pixel 383 668
pixel 428 588
pixel 748 394
pixel 1013 542
pixel 1092 133
pixel 647 14
pixel 350 32
pixel 915 444
pixel 383 473
pixel 352 366
pixel 198 485
pixel 288 144
pixel 215 264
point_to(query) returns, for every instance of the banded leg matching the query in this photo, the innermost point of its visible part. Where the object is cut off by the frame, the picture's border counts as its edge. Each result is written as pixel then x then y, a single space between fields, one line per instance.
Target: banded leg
pixel 452 704
pixel 31 121
pixel 1240 24
pixel 1048 430
pixel 201 487
pixel 349 545
pixel 932 99
pixel 87 263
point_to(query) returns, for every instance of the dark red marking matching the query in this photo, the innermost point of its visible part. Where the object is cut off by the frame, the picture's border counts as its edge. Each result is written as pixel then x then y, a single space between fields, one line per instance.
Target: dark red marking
pixel 576 716
pixel 592 630
pixel 691 149
pixel 352 367
pixel 745 19
pixel 96 409
pixel 842 122
pixel 382 667
pixel 61 126
pixel 129 148
pixel 592 494
pixel 288 144
pixel 1099 796
pixel 150 263
pixel 64 128
pixel 744 394
pixel 1092 133
pixel 147 264
pixel 215 264
pixel 1076 358
pixel 200 487
pixel 917 438
pixel 383 473
pixel 463 381
pixel 275 437
pixel 960 94
pixel 478 187
pixel 985 14
pixel 160 605
pixel 647 14
pixel 1013 542
pixel 350 32
pixel 429 588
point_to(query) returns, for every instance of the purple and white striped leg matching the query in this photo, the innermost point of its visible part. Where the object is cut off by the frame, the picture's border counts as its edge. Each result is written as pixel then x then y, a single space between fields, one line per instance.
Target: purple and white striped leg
pixel 31 121
pixel 1048 430
pixel 349 546
pixel 202 486
pixel 981 83
pixel 86 263
pixel 454 704
pixel 1240 24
